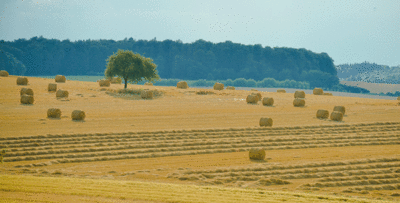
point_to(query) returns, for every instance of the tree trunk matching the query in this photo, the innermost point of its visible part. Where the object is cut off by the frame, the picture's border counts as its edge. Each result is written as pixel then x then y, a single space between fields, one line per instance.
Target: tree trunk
pixel 126 82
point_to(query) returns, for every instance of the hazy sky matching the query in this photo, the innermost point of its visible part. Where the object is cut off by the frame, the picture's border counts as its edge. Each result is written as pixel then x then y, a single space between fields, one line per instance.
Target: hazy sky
pixel 350 31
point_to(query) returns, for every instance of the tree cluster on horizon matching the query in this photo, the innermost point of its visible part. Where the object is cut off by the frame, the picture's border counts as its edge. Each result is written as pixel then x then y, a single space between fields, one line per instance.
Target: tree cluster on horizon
pixel 174 59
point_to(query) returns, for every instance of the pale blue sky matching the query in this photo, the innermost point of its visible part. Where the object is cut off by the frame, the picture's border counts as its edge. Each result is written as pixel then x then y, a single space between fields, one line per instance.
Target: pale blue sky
pixel 350 31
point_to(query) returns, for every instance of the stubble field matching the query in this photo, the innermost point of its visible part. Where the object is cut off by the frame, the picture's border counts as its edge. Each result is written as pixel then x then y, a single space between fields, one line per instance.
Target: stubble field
pixel 190 146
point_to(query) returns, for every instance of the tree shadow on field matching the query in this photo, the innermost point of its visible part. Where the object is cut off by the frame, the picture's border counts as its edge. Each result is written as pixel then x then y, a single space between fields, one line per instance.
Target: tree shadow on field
pixel 51 118
pixel 258 161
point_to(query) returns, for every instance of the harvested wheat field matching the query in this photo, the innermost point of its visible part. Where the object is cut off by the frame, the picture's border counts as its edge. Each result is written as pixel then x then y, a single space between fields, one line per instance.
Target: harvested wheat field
pixel 181 146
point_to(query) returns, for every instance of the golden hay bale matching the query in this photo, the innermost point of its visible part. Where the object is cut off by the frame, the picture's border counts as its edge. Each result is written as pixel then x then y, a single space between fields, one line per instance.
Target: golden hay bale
pixel 299 94
pixel 52 87
pixel 281 91
pixel 27 99
pixel 27 91
pixel 115 80
pixel 104 83
pixel 146 94
pixel 258 95
pixel 230 88
pixel 62 93
pixel 321 113
pixel 252 98
pixel 3 73
pixel 328 94
pixel 218 86
pixel 22 81
pixel 298 102
pixel 266 121
pixel 398 98
pixel 268 101
pixel 257 154
pixel 337 116
pixel 182 85
pixel 78 115
pixel 60 78
pixel 53 113
pixel 318 91
pixel 340 109
pixel 148 83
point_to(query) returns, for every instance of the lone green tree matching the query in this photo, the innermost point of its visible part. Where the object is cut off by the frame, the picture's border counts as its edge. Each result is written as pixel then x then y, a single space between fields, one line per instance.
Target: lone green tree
pixel 131 67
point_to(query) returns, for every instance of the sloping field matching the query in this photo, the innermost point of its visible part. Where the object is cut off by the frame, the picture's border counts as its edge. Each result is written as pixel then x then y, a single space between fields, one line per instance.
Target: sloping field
pixel 191 142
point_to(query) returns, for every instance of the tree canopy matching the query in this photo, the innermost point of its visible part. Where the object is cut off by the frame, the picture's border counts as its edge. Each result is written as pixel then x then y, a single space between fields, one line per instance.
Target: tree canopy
pixel 131 67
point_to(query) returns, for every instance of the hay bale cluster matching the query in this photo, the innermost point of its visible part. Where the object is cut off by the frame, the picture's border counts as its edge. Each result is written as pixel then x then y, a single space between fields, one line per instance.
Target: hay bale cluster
pixel 218 86
pixel 252 99
pixel 299 94
pixel 148 83
pixel 230 88
pixel 27 99
pixel 340 109
pixel 60 78
pixel 257 154
pixel 146 94
pixel 281 91
pixel 318 91
pixel 336 116
pixel 104 83
pixel 266 122
pixel 321 113
pixel 3 73
pixel 22 81
pixel 78 115
pixel 53 113
pixel 298 102
pixel 52 87
pixel 26 90
pixel 268 101
pixel 62 94
pixel 182 85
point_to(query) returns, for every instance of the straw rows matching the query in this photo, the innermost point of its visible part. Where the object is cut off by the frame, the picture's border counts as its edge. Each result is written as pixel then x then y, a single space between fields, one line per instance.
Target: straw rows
pixel 132 145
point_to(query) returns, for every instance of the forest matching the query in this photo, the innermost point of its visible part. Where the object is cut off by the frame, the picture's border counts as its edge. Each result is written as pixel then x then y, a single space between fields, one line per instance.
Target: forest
pixel 39 56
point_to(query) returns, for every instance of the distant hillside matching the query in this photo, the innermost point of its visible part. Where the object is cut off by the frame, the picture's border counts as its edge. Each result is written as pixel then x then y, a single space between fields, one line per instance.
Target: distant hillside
pixel 174 59
pixel 369 72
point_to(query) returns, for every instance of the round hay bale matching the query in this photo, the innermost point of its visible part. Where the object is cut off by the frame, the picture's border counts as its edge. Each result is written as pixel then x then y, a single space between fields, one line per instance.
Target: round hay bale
pixel 337 116
pixel 146 94
pixel 78 115
pixel 281 91
pixel 22 81
pixel 116 80
pixel 340 109
pixel 148 83
pixel 328 94
pixel 60 78
pixel 299 94
pixel 52 87
pixel 321 113
pixel 53 113
pixel 182 85
pixel 3 73
pixel 268 101
pixel 258 95
pixel 218 86
pixel 27 99
pixel 230 88
pixel 298 102
pixel 104 83
pixel 398 98
pixel 62 93
pixel 266 122
pixel 252 98
pixel 257 154
pixel 318 91
pixel 26 90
